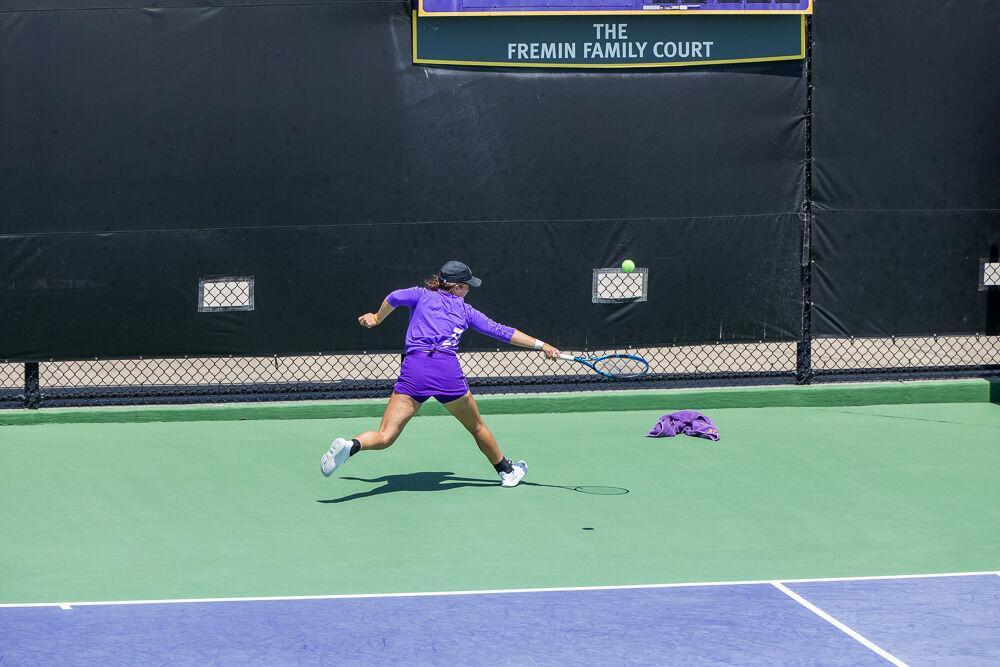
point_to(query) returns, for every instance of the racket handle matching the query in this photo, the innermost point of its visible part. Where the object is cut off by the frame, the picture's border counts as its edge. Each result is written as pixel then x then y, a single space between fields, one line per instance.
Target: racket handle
pixel 565 356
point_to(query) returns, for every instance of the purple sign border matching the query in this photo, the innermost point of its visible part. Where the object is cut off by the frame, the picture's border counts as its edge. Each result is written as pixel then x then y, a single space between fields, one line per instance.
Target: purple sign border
pixel 480 7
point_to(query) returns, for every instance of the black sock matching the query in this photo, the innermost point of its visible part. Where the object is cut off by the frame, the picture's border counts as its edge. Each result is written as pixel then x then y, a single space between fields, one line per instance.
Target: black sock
pixel 504 465
pixel 356 447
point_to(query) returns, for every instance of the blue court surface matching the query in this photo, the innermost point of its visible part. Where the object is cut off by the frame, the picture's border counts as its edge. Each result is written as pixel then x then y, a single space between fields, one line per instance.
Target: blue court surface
pixel 945 619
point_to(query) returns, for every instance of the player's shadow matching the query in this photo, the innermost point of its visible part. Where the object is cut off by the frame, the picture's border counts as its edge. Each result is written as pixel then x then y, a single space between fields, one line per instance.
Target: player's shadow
pixel 414 481
pixel 443 481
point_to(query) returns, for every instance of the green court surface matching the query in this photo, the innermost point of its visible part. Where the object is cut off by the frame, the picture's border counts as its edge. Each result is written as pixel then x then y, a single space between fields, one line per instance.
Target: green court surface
pixel 216 508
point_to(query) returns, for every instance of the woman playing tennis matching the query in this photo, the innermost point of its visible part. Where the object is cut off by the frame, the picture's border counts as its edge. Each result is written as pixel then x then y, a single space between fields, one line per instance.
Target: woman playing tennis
pixel 438 318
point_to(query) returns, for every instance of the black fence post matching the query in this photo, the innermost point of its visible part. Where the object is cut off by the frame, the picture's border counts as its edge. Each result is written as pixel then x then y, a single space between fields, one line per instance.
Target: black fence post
pixel 32 390
pixel 993 298
pixel 803 350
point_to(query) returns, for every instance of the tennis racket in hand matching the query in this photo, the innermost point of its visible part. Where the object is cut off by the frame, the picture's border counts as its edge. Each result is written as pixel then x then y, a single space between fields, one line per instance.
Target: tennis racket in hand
pixel 614 366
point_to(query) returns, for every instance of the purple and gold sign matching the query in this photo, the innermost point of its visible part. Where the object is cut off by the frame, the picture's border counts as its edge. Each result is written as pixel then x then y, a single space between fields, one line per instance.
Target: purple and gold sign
pixel 515 7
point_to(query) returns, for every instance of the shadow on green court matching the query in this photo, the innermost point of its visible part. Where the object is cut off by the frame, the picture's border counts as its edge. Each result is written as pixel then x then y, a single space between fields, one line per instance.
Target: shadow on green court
pixel 444 481
pixel 414 481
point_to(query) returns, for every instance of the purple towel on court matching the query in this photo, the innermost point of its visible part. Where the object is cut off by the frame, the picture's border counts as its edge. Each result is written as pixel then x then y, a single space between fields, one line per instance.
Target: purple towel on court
pixel 688 422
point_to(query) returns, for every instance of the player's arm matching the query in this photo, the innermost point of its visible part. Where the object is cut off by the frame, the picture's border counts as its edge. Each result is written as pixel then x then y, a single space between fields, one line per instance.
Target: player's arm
pixel 485 325
pixel 374 319
pixel 522 339
pixel 402 297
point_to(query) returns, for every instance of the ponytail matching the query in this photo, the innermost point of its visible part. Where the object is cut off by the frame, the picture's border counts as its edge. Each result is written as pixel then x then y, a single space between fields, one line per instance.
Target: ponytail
pixel 434 283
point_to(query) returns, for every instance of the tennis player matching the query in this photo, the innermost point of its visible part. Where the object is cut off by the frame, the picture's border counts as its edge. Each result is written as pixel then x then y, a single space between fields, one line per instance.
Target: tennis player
pixel 439 316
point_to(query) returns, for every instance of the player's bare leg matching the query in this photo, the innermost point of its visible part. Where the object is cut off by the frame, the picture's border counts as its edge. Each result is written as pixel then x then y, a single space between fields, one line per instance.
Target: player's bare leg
pixel 467 412
pixel 398 412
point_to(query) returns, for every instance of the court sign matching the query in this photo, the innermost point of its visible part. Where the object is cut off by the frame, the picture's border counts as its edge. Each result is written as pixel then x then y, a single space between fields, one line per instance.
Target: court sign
pixel 607 41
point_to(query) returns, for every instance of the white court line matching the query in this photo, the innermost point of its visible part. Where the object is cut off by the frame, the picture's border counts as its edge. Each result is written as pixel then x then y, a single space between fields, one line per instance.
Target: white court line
pixel 867 643
pixel 499 591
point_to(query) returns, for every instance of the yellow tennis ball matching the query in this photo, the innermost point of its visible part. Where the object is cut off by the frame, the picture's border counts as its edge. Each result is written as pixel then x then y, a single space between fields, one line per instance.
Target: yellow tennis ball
pixel 628 266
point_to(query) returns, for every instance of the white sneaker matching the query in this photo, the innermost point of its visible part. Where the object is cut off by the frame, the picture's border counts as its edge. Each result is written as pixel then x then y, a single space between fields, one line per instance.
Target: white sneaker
pixel 514 477
pixel 339 452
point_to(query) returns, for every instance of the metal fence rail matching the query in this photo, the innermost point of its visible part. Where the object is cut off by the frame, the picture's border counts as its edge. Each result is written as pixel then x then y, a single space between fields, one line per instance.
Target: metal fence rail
pixel 191 380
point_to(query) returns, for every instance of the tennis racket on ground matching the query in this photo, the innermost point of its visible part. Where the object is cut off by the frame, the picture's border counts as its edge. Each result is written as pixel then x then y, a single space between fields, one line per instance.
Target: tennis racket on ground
pixel 614 366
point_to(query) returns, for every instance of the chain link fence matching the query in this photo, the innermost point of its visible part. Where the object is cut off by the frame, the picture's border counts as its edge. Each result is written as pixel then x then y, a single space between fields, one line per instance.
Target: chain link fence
pixel 190 380
pixel 905 355
pixel 11 385
pixel 989 275
pixel 619 286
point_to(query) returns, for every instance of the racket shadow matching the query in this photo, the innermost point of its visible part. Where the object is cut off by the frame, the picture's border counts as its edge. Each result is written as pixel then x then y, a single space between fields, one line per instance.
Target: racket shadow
pixel 589 490
pixel 445 481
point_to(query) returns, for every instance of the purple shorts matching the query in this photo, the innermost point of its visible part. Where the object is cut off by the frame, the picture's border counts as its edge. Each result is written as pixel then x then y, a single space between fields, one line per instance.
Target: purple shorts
pixel 425 374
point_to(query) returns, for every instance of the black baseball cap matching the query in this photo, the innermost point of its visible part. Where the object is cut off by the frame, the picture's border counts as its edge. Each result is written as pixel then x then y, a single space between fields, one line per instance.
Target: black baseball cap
pixel 456 272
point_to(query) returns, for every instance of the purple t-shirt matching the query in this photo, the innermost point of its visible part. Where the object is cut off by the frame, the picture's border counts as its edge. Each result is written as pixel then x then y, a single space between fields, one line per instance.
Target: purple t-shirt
pixel 438 319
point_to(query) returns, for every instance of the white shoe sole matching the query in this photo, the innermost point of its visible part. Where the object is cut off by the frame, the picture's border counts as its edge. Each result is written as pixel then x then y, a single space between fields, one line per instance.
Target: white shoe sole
pixel 339 449
pixel 326 465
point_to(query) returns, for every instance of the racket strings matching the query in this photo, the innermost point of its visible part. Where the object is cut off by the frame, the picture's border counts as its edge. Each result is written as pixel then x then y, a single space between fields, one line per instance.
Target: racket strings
pixel 621 366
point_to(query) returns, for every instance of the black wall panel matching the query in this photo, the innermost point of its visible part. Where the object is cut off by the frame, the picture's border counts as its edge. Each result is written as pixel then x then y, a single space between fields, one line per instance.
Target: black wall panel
pixel 302 115
pixel 907 165
pixel 126 294
pixel 143 148
pixel 903 273
pixel 906 105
